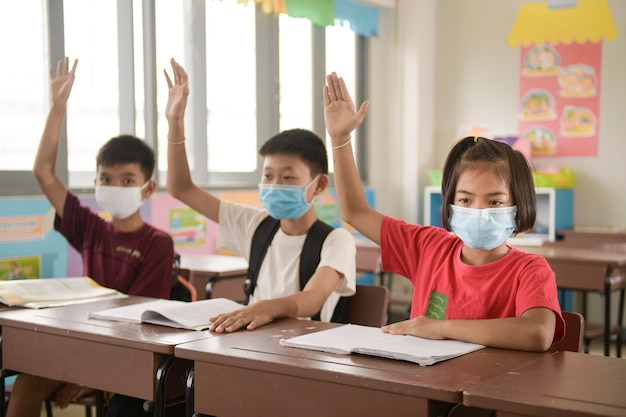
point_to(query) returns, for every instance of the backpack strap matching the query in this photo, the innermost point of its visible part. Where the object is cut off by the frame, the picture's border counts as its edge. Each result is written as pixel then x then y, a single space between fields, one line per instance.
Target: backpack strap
pixel 312 250
pixel 309 259
pixel 263 236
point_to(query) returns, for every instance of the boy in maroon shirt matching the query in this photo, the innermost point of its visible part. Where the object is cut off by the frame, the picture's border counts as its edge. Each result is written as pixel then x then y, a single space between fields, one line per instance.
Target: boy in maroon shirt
pixel 126 253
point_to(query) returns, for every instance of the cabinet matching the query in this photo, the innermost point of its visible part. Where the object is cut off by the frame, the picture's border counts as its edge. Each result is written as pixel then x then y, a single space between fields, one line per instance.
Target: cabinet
pixel 555 210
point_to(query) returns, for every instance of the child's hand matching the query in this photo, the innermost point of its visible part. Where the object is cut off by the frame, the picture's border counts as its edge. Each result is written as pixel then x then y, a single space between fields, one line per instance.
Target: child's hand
pixel 250 317
pixel 61 85
pixel 421 326
pixel 178 92
pixel 339 114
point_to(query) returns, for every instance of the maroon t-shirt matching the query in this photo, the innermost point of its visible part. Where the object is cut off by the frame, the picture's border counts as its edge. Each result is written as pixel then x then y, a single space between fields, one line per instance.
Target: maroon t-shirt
pixel 136 263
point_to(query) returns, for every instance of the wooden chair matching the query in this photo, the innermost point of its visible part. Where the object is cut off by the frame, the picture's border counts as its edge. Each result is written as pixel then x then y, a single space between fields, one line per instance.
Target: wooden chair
pixel 369 306
pixel 574 329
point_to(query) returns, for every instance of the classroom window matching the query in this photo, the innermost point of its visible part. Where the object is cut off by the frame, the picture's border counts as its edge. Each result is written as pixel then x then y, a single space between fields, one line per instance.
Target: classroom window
pixel 296 73
pixel 341 58
pixel 231 87
pixel 251 75
pixel 23 102
pixel 170 36
pixel 93 114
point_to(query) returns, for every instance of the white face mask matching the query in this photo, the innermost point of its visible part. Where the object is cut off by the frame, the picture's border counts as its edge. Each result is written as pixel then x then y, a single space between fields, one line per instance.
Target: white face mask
pixel 121 202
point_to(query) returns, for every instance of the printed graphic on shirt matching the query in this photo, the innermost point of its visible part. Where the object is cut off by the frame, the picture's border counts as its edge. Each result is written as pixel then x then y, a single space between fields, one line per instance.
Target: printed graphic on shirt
pixel 130 252
pixel 437 304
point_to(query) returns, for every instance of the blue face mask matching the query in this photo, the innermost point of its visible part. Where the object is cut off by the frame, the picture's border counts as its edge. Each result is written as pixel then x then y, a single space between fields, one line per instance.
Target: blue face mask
pixel 483 228
pixel 285 202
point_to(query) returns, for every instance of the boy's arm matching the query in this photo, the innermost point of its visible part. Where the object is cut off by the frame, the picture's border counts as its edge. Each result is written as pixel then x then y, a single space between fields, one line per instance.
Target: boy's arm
pixel 45 160
pixel 304 303
pixel 341 119
pixel 179 182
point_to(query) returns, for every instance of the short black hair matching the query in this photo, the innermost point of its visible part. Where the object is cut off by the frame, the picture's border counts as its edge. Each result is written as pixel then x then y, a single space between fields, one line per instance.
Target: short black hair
pixel 127 149
pixel 304 144
pixel 509 164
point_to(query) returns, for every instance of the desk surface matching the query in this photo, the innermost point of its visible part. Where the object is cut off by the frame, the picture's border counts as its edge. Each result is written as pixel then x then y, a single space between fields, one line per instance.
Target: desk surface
pixel 582 268
pixel 565 384
pixel 291 381
pixel 593 254
pixel 593 235
pixel 214 264
pixel 63 343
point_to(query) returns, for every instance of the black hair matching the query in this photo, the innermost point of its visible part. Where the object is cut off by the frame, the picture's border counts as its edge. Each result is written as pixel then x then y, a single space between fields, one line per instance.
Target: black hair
pixel 509 164
pixel 304 144
pixel 127 149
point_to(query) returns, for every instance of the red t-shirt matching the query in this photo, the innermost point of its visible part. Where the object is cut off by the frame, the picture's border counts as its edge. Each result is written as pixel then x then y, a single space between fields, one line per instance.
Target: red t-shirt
pixel 446 288
pixel 136 263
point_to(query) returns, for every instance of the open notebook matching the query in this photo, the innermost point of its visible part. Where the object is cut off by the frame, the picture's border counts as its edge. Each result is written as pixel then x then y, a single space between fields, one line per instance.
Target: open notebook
pixel 53 292
pixel 172 313
pixel 352 338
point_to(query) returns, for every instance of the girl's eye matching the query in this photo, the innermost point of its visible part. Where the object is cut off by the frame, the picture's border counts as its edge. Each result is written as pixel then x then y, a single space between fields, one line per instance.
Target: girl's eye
pixel 495 203
pixel 464 200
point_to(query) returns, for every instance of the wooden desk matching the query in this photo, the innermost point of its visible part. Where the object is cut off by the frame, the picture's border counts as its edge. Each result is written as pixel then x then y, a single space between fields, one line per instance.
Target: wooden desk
pixel 64 344
pixel 588 269
pixel 566 384
pixel 247 373
pixel 367 255
pixel 592 237
pixel 205 271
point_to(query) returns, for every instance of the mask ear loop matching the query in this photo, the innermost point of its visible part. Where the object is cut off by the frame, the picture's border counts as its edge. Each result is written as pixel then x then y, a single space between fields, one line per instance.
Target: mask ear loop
pixel 307 187
pixel 143 187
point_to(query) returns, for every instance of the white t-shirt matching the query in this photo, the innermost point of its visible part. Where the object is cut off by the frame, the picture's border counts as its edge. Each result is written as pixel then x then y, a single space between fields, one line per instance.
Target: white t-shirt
pixel 279 275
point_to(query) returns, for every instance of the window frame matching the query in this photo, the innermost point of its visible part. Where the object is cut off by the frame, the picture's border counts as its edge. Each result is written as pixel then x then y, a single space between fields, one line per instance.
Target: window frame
pixel 19 183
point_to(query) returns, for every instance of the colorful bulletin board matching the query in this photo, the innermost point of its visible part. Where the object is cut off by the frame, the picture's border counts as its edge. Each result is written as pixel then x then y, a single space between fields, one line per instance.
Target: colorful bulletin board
pixel 560 75
pixel 29 246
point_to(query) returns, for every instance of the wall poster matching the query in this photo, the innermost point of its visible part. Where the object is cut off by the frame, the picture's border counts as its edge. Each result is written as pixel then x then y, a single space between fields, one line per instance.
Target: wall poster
pixel 560 75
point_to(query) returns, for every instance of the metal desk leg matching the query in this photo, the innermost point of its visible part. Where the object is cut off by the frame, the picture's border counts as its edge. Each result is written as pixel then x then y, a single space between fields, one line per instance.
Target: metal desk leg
pixel 159 385
pixel 607 315
pixel 189 394
pixel 620 323
pixel 608 281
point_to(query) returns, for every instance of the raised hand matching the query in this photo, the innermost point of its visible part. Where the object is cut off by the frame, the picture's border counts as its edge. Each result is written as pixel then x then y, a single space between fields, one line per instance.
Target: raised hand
pixel 339 111
pixel 61 84
pixel 178 92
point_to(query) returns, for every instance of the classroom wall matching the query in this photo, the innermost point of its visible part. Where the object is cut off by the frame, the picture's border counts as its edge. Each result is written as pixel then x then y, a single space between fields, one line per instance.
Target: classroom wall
pixel 463 44
pixel 31 248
